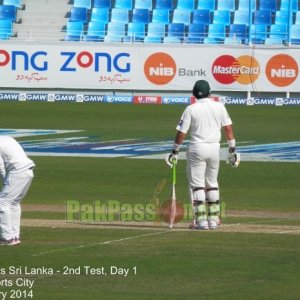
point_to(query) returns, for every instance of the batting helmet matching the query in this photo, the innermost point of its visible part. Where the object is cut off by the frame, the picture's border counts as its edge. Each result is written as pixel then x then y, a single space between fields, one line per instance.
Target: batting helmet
pixel 201 89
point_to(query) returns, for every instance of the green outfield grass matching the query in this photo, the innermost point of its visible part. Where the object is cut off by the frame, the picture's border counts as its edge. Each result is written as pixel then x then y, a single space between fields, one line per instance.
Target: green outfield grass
pixel 170 264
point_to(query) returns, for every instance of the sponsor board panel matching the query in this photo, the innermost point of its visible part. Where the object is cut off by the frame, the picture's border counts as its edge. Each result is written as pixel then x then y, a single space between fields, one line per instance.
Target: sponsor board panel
pixel 144 67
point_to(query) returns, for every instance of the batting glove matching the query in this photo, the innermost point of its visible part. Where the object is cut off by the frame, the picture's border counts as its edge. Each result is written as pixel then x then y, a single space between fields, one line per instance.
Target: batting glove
pixel 233 157
pixel 172 158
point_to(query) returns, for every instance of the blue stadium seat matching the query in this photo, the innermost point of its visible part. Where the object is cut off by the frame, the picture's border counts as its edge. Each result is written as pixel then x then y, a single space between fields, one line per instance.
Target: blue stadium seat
pixel 242 17
pixel 167 4
pixel 100 15
pixel 258 34
pixel 201 16
pixel 233 41
pixel 156 32
pixel 285 5
pixel 262 17
pixel 226 5
pixel 295 34
pixel 273 41
pixel 74 31
pixel 269 5
pixel 297 19
pixel 196 33
pixel 115 32
pixel 96 32
pixel 186 4
pixel 102 4
pixel 172 40
pixel 125 4
pixel 83 3
pixel 120 15
pixel 216 34
pixel 161 15
pixel 144 4
pixel 136 32
pixel 279 31
pixel 181 16
pixel 222 17
pixel 176 30
pixel 140 15
pixel 6 29
pixel 282 17
pixel 207 5
pixel 79 14
pixel 15 3
pixel 238 32
pixel 8 12
pixel 246 4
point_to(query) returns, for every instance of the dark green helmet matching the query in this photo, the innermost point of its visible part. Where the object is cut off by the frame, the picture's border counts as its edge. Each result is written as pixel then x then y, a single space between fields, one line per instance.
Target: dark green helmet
pixel 201 89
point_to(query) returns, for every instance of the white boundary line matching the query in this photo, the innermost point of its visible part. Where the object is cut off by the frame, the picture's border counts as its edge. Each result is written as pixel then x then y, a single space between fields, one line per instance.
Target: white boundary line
pixel 101 243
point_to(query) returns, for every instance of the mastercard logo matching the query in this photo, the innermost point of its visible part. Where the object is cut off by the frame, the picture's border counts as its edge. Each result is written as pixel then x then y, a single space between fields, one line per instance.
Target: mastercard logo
pixel 160 68
pixel 282 70
pixel 227 69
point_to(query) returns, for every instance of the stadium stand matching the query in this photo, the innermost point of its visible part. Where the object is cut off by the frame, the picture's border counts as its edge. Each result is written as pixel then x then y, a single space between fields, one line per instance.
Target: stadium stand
pixel 239 20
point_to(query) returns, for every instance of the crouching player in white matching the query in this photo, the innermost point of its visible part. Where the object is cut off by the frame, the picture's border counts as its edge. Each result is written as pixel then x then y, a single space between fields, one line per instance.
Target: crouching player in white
pixel 17 173
pixel 204 119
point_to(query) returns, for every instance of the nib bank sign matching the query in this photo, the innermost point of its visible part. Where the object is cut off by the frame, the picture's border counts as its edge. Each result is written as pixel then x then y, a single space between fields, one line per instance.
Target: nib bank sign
pixel 71 61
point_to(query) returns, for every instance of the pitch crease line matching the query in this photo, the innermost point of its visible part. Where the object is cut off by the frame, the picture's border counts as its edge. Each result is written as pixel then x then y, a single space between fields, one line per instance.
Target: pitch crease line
pixel 102 243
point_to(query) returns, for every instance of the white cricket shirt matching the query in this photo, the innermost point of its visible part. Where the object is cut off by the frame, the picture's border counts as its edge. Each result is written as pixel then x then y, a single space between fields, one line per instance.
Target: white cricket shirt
pixel 12 156
pixel 204 119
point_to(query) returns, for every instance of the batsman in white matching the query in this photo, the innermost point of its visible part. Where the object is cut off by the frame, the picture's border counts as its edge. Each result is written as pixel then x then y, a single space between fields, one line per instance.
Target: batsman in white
pixel 204 120
pixel 16 170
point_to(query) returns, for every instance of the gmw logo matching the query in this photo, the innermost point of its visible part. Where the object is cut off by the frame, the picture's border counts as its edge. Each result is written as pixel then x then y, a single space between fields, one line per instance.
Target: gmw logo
pixel 227 69
pixel 160 68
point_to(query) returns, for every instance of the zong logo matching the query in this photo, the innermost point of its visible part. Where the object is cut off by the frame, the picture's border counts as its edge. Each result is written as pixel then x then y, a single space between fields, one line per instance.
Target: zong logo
pixel 160 68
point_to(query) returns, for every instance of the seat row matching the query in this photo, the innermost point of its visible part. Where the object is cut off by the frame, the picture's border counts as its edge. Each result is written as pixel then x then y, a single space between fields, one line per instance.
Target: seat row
pixel 211 5
pixel 180 33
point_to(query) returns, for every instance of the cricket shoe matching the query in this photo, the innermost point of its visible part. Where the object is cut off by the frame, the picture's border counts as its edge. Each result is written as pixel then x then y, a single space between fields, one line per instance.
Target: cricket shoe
pixel 17 241
pixel 212 224
pixel 202 225
pixel 11 242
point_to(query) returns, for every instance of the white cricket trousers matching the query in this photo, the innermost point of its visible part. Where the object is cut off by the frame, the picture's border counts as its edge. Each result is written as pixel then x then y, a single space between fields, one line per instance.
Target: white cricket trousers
pixel 203 161
pixel 14 190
